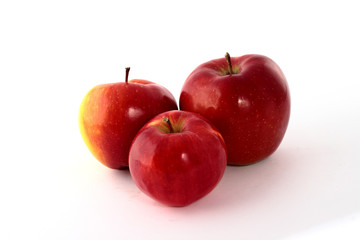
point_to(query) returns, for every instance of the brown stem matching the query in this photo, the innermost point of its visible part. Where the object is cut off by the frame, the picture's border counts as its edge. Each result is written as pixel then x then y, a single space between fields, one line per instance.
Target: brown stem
pixel 167 121
pixel 127 70
pixel 228 59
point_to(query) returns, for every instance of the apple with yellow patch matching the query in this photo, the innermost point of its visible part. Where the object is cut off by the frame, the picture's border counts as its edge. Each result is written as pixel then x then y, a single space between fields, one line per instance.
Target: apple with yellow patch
pixel 111 115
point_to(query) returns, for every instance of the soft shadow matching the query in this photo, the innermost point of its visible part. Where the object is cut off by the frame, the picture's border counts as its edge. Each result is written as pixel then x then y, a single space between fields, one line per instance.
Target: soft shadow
pixel 240 185
pixel 121 173
pixel 122 177
pixel 243 184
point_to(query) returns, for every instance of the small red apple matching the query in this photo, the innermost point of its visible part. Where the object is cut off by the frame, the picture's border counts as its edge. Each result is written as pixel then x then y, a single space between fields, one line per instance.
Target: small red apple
pixel 247 98
pixel 111 115
pixel 177 158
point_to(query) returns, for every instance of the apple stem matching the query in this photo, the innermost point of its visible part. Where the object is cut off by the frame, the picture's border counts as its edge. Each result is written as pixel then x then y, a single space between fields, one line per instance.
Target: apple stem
pixel 167 121
pixel 228 59
pixel 127 70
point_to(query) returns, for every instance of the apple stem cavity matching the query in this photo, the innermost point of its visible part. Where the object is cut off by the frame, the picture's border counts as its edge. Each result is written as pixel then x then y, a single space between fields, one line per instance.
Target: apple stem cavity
pixel 167 121
pixel 127 70
pixel 228 59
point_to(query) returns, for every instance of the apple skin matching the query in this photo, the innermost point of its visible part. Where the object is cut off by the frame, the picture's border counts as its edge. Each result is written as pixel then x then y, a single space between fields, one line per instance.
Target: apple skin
pixel 250 107
pixel 181 167
pixel 111 115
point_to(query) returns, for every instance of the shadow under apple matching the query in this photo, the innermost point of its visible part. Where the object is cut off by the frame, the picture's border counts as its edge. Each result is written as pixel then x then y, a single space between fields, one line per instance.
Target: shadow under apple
pixel 247 185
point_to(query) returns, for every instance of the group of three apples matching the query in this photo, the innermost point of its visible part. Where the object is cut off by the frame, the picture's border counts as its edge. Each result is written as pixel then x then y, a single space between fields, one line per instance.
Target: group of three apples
pixel 233 110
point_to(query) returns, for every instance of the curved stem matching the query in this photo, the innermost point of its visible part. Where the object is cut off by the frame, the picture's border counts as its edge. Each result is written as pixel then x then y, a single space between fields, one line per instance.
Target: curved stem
pixel 228 59
pixel 127 70
pixel 167 121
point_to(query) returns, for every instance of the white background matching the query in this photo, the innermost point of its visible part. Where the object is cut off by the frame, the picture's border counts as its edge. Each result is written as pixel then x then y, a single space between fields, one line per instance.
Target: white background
pixel 53 52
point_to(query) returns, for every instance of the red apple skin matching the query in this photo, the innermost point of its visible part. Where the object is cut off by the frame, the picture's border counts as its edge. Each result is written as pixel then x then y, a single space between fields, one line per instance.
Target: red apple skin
pixel 178 168
pixel 111 115
pixel 250 107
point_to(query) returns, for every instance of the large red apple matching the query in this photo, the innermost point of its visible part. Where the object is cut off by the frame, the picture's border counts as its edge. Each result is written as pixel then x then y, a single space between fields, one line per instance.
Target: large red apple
pixel 247 98
pixel 177 158
pixel 111 115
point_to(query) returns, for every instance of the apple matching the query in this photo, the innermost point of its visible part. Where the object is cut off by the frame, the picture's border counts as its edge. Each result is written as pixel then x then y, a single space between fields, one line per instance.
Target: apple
pixel 111 115
pixel 177 158
pixel 247 98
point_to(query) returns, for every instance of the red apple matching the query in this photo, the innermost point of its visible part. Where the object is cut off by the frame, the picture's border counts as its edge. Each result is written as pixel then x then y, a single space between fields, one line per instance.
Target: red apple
pixel 247 98
pixel 111 115
pixel 177 158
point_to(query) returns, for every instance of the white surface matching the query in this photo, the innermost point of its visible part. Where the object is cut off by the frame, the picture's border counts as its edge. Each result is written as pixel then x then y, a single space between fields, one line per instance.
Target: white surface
pixel 53 52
